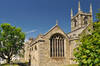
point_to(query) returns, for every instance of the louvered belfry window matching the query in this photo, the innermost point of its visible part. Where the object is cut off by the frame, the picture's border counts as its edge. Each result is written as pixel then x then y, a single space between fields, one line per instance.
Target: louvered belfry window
pixel 57 46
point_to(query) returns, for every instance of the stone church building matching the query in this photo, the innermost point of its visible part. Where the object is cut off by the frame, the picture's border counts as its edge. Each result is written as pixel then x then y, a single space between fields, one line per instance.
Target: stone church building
pixel 55 48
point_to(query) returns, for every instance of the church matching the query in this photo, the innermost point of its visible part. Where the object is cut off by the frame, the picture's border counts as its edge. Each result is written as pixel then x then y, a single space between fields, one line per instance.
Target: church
pixel 55 48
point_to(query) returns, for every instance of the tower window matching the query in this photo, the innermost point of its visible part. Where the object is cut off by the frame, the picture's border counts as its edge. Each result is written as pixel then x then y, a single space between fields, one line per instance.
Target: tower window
pixel 75 23
pixel 85 20
pixel 57 46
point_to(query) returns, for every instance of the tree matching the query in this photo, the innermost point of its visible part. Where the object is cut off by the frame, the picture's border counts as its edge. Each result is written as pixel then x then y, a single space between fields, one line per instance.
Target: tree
pixel 98 16
pixel 88 52
pixel 11 41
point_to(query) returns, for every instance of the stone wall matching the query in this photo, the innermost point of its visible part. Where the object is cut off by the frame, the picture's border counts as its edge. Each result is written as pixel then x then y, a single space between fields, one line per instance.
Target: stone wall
pixel 44 53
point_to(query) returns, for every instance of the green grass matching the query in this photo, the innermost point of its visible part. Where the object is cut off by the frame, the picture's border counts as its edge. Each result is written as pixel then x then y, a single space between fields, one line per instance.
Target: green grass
pixel 16 64
pixel 72 65
pixel 9 65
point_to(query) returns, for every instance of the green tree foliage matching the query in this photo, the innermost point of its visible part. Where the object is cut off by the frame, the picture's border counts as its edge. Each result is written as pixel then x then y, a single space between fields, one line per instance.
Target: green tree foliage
pixel 11 41
pixel 98 16
pixel 88 52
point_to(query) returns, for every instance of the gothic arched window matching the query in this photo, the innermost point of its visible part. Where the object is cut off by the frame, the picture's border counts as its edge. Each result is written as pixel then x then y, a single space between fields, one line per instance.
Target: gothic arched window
pixel 86 20
pixel 75 23
pixel 57 45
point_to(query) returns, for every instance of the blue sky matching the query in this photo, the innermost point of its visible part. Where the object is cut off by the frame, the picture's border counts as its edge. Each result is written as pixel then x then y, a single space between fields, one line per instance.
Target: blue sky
pixel 38 16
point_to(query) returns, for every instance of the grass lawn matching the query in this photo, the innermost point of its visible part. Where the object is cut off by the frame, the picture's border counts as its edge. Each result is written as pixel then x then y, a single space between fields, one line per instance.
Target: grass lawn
pixel 16 64
pixel 9 65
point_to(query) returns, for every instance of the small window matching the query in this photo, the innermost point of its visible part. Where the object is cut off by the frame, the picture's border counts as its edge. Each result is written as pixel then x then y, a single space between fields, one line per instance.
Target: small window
pixel 70 36
pixel 74 34
pixel 32 48
pixel 35 47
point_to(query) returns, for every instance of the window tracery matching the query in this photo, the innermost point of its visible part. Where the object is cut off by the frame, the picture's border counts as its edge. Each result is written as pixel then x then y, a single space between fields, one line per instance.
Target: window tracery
pixel 57 46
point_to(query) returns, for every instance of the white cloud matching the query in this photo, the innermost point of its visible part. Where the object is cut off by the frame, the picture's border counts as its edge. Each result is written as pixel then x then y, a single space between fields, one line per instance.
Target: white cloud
pixel 31 31
pixel 26 40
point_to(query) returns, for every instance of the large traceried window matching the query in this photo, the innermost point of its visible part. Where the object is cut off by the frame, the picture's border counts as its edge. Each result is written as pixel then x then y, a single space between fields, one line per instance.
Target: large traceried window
pixel 57 46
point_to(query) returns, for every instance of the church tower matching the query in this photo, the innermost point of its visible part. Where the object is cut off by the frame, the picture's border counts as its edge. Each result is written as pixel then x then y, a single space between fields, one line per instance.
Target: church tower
pixel 81 19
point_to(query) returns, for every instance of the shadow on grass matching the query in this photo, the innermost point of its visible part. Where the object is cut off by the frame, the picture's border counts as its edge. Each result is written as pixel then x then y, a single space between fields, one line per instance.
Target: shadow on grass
pixel 16 64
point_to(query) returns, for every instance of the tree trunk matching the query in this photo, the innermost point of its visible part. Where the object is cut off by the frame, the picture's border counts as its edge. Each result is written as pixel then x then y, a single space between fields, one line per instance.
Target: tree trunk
pixel 8 60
